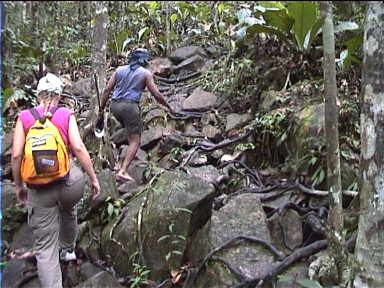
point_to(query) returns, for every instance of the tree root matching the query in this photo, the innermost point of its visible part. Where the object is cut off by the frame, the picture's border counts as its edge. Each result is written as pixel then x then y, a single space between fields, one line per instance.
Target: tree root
pixel 270 247
pixel 211 147
pixel 272 273
pixel 177 79
pixel 295 256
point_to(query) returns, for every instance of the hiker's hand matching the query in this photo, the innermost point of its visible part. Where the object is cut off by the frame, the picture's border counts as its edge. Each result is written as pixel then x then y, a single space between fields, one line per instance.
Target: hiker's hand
pixel 21 194
pixel 95 188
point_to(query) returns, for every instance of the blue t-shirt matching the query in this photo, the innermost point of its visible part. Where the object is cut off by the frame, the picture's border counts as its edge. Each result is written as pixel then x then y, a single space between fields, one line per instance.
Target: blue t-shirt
pixel 129 84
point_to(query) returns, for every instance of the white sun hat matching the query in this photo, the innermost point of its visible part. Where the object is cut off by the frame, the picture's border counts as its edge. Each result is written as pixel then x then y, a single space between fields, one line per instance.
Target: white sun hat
pixel 50 83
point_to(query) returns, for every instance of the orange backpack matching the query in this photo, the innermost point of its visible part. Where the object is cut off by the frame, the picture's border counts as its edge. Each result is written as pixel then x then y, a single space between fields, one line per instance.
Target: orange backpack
pixel 46 157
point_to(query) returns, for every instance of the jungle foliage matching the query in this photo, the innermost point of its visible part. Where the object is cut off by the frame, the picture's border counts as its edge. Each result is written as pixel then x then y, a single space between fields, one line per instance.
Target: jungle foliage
pixel 253 37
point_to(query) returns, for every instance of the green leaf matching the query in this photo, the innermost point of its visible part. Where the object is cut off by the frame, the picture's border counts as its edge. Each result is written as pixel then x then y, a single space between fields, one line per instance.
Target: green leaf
pixel 145 273
pixel 315 30
pixel 346 25
pixel 177 252
pixel 284 278
pixel 353 45
pixel 173 18
pixel 257 28
pixel 110 209
pixel 309 283
pixel 163 238
pixel 221 7
pixel 304 14
pixel 313 160
pixel 272 4
pixel 153 5
pixel 168 256
pixel 182 237
pixel 170 227
pixel 142 32
pixel 322 176
pixel 279 19
pixel 184 210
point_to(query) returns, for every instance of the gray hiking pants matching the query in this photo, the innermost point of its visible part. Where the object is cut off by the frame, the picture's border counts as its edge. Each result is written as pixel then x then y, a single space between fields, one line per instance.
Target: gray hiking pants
pixel 52 216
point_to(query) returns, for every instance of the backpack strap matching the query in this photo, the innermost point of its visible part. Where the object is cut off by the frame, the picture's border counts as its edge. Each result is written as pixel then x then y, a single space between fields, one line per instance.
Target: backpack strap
pixel 36 114
pixel 54 109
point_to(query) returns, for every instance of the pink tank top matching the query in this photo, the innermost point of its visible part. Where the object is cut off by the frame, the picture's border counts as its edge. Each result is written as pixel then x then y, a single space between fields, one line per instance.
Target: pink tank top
pixel 60 119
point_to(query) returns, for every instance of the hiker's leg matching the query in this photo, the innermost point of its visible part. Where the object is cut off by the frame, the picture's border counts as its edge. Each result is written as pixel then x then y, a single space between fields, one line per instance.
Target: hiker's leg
pixel 45 225
pixel 69 195
pixel 128 114
pixel 43 218
pixel 134 143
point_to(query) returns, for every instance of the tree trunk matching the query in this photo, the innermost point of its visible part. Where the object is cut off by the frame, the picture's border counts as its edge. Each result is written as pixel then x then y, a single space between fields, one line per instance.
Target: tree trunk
pixel 168 25
pixel 99 40
pixel 370 240
pixel 335 217
pixel 99 60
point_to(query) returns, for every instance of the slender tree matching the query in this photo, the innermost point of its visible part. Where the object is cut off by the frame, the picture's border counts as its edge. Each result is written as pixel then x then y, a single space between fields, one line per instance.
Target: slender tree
pixel 168 7
pixel 335 217
pixel 99 65
pixel 99 40
pixel 370 240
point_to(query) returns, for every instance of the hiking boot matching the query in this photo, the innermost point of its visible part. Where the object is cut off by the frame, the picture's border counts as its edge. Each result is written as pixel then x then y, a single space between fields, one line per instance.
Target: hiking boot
pixel 67 254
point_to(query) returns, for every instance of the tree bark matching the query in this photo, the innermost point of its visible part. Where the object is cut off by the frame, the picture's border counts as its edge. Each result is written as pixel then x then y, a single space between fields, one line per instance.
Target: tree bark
pixel 370 240
pixel 335 216
pixel 99 60
pixel 168 25
pixel 99 37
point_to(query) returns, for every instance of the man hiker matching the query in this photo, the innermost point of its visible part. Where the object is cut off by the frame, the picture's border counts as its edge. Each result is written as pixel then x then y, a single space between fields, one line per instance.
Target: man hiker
pixel 128 82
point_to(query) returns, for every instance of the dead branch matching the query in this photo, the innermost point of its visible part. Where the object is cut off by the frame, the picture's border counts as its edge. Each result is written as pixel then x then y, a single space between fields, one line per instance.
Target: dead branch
pixel 312 192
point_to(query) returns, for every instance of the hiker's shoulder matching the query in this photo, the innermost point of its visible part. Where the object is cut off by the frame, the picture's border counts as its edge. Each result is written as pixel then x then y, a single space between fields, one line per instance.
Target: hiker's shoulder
pixel 121 68
pixel 63 112
pixel 145 71
pixel 27 112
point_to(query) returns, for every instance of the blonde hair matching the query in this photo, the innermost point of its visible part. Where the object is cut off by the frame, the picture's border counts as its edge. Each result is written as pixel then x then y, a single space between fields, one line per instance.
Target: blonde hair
pixel 46 96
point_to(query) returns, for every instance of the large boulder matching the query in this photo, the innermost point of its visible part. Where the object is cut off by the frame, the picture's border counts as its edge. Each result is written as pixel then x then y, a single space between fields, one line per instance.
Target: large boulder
pixel 162 227
pixel 242 215
pixel 200 100
pixel 101 279
pixel 183 53
pixel 161 66
pixel 194 63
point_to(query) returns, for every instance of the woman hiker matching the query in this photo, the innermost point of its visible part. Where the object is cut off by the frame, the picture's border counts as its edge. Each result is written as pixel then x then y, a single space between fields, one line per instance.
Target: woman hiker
pixel 51 207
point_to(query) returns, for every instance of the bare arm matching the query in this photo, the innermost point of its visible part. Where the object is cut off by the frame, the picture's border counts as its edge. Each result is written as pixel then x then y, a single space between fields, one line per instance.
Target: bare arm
pixel 150 84
pixel 107 91
pixel 82 154
pixel 18 152
pixel 17 157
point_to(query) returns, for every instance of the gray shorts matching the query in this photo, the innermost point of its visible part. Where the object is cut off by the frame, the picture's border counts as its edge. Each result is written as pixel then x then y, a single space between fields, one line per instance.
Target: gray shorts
pixel 128 114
